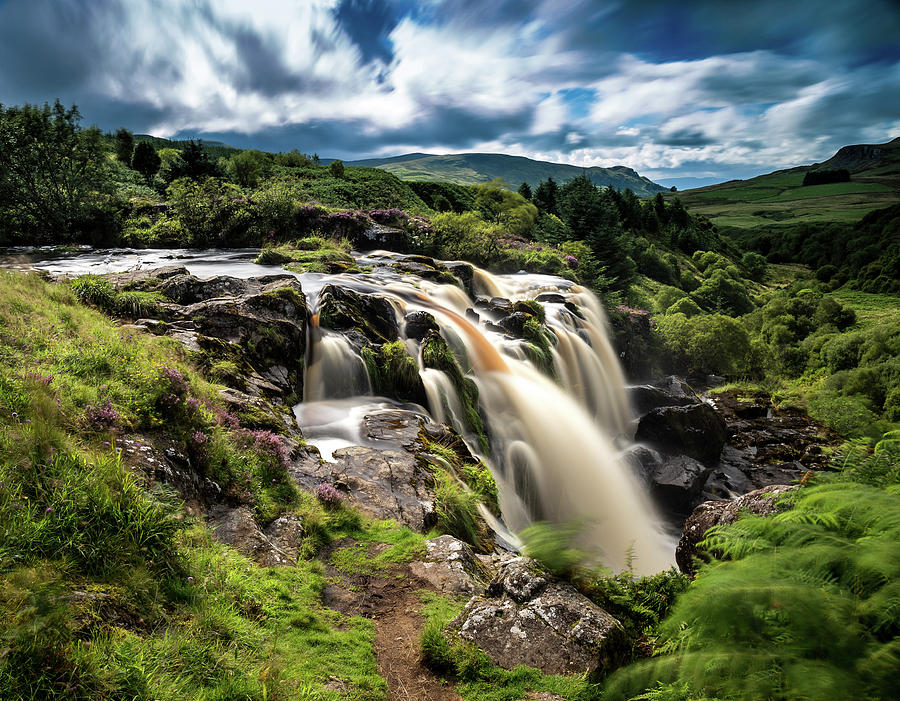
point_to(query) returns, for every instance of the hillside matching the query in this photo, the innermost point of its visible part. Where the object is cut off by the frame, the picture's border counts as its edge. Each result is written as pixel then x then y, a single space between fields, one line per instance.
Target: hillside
pixel 472 168
pixel 780 198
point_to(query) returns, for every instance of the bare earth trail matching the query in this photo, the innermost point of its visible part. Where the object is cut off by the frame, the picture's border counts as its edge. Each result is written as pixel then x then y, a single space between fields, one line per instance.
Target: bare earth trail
pixel 392 601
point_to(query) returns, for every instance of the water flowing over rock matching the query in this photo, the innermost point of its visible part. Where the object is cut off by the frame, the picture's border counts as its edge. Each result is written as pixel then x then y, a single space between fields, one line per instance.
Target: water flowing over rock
pixel 527 617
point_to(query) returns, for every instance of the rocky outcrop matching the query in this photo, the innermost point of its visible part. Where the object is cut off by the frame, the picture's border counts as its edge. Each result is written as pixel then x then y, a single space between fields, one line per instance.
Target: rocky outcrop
pixel 695 430
pixel 763 502
pixel 384 482
pixel 671 391
pixel 370 317
pixel 250 332
pixel 276 546
pixel 451 567
pixel 380 236
pixel 675 482
pixel 528 617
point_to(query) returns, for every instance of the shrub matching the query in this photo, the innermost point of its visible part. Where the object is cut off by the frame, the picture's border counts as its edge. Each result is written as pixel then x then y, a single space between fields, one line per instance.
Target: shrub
pixel 707 344
pixel 755 265
pixel 685 306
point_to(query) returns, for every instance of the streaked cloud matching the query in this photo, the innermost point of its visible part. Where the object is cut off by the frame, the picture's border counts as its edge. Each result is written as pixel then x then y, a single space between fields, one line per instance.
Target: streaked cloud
pixel 703 89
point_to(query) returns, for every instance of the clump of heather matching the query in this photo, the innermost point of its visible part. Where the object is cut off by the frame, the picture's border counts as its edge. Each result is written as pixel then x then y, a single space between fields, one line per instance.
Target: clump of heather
pixel 328 495
pixel 389 217
pixel 572 262
pixel 271 449
pixel 102 416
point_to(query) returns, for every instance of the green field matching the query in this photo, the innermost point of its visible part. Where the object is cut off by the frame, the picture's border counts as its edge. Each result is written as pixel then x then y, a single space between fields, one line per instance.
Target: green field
pixel 780 198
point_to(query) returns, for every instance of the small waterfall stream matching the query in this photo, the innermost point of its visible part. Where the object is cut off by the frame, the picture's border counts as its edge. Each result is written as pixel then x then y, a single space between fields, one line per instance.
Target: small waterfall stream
pixel 554 444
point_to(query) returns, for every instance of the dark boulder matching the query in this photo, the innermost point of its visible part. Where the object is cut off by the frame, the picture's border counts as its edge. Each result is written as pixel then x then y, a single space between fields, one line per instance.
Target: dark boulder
pixel 695 430
pixel 418 324
pixel 380 236
pixel 343 309
pixel 763 502
pixel 669 392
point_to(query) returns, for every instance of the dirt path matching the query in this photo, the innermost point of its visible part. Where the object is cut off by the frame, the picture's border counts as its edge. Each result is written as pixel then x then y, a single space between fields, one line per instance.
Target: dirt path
pixel 391 600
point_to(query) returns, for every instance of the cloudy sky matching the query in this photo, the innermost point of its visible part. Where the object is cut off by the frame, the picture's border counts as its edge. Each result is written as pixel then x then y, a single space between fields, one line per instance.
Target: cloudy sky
pixel 709 89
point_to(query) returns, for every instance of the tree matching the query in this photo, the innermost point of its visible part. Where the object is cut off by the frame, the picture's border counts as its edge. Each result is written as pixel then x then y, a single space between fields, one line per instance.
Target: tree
pixel 145 160
pixel 194 163
pixel 525 191
pixel 247 167
pixel 54 177
pixel 545 196
pixel 336 168
pixel 124 142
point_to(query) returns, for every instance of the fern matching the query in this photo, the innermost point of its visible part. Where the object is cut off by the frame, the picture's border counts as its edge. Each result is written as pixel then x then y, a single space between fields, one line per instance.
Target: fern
pixel 807 606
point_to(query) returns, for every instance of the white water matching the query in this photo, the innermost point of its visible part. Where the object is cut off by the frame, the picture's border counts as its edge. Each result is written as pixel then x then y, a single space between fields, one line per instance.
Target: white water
pixel 553 444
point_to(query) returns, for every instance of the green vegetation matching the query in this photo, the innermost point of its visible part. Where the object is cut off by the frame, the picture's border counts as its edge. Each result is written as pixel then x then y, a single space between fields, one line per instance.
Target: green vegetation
pixel 312 254
pixel 804 607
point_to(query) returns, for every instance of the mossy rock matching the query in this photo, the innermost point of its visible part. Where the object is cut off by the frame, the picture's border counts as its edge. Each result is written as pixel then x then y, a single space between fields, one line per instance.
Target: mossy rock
pixel 394 372
pixel 343 309
pixel 436 354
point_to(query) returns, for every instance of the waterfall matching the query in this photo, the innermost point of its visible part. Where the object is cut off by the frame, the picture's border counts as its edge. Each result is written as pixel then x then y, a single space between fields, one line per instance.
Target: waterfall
pixel 553 441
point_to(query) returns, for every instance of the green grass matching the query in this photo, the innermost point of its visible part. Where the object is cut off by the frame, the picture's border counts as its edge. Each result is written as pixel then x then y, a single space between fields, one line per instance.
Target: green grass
pixel 107 590
pixel 364 556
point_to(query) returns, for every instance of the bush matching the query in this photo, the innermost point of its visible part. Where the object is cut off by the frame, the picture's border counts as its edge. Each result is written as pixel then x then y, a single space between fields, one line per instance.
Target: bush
pixel 709 344
pixel 755 265
pixel 806 607
pixel 685 306
pixel 722 293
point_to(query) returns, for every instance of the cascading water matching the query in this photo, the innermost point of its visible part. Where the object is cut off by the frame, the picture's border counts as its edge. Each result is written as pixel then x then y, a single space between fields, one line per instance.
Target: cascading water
pixel 553 445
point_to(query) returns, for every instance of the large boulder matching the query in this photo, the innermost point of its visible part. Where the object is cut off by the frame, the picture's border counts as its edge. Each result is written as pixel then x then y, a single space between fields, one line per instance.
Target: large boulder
pixel 528 617
pixel 266 328
pixel 695 430
pixel 671 391
pixel 277 546
pixel 763 502
pixel 675 482
pixel 387 481
pixel 380 236
pixel 451 567
pixel 369 315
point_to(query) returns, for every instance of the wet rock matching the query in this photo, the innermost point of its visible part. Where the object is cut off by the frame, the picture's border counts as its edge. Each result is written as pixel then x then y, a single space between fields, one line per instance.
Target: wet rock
pixel 713 513
pixel 342 309
pixel 452 567
pixel 550 298
pixel 384 483
pixel 419 323
pixel 676 483
pixel 695 430
pixel 527 617
pixel 669 392
pixel 463 272
pixel 514 324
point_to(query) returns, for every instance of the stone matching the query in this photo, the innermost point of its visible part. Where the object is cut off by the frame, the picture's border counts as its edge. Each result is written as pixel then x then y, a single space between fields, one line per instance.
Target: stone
pixel 676 483
pixel 383 482
pixel 380 236
pixel 714 513
pixel 514 323
pixel 696 431
pixel 236 527
pixel 372 316
pixel 452 567
pixel 418 324
pixel 669 392
pixel 528 617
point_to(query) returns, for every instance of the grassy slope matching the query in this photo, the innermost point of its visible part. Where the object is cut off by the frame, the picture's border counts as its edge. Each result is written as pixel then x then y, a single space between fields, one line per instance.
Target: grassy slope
pixel 105 589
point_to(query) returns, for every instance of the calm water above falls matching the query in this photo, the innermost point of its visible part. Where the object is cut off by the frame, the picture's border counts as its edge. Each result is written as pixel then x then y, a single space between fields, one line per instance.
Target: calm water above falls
pixel 555 445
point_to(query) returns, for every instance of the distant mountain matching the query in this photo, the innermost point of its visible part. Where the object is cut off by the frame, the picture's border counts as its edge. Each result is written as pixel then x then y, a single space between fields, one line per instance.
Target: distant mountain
pixel 473 168
pixel 780 198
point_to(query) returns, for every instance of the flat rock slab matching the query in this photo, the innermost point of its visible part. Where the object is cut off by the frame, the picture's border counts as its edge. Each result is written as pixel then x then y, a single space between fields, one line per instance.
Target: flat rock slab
pixel 528 617
pixel 383 483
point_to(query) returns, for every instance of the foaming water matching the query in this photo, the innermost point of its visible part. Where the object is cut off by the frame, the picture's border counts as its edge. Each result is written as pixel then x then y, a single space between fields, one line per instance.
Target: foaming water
pixel 553 442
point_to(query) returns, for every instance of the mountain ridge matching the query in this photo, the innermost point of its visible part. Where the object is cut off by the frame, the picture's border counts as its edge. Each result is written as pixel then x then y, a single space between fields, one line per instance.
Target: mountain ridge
pixel 477 167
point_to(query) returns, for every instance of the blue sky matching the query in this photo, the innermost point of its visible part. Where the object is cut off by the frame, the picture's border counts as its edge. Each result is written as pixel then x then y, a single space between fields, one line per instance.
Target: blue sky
pixel 703 89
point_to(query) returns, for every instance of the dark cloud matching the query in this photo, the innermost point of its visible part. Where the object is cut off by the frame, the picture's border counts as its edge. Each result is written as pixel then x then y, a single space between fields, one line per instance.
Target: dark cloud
pixel 685 137
pixel 369 24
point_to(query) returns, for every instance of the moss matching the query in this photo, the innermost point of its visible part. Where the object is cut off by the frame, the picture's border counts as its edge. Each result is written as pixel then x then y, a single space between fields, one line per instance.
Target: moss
pixel 393 372
pixel 473 472
pixel 532 308
pixel 539 348
pixel 436 354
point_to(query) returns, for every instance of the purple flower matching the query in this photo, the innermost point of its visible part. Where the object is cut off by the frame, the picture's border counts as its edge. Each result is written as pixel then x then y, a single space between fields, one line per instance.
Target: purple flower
pixel 48 510
pixel 328 495
pixel 101 417
pixel 572 262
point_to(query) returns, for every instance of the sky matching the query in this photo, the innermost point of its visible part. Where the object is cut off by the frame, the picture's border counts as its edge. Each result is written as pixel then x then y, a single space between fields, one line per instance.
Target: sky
pixel 684 92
